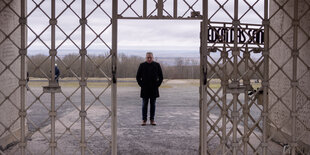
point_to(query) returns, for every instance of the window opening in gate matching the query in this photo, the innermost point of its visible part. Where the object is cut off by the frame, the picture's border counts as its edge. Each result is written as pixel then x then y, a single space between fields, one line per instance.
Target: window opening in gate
pixel 175 45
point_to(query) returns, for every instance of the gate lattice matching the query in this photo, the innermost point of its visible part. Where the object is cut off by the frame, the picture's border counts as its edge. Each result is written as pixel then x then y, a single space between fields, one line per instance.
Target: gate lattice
pixel 45 29
pixel 241 116
pixel 238 102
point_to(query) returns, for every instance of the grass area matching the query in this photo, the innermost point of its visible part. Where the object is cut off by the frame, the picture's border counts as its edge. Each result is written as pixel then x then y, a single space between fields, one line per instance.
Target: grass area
pixel 92 82
pixel 127 82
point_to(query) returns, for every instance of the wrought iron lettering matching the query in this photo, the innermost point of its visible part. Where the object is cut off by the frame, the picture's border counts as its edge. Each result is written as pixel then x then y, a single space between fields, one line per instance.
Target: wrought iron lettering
pixel 226 35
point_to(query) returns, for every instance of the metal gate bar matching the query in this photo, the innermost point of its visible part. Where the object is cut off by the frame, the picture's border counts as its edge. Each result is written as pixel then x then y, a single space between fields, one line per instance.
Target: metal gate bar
pixel 294 79
pixel 83 52
pixel 265 80
pixel 52 82
pixel 203 113
pixel 22 83
pixel 224 113
pixel 246 110
pixel 114 77
pixel 235 82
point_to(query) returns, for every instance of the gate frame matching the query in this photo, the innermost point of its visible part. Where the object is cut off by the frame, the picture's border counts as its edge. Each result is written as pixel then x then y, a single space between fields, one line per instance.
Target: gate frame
pixel 203 72
pixel 115 17
pixel 202 91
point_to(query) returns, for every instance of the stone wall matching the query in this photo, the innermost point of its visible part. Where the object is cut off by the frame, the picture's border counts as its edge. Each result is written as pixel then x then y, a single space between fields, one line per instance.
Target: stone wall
pixel 280 94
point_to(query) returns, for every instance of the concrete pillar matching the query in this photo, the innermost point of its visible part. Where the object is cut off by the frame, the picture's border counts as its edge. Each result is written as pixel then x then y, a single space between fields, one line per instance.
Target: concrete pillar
pixel 280 83
pixel 8 82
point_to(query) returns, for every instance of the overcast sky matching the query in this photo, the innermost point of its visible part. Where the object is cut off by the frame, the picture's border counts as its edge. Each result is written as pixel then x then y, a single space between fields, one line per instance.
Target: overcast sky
pixel 132 34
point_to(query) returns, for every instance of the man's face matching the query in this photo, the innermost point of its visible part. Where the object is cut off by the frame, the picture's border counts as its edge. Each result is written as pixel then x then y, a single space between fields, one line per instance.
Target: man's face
pixel 149 58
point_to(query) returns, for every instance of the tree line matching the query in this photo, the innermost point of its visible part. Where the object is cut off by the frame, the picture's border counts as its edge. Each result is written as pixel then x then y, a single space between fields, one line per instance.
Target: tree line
pixel 100 66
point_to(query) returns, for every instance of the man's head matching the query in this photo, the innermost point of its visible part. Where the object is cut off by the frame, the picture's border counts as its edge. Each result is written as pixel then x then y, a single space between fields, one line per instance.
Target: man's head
pixel 149 57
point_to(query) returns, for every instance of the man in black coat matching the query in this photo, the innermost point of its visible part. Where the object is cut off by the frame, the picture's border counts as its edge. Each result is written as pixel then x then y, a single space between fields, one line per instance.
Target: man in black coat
pixel 149 78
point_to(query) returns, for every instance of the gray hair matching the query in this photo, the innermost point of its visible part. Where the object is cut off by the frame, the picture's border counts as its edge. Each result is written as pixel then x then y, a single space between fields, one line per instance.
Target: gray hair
pixel 149 53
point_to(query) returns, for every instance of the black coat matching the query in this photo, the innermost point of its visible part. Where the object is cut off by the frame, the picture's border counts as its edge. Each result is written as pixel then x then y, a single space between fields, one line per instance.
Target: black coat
pixel 149 78
pixel 57 72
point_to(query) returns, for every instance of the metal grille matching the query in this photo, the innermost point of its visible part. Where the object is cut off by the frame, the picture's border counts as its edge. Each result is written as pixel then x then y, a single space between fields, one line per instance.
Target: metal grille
pixel 288 106
pixel 54 35
pixel 240 116
pixel 12 92
pixel 160 9
pixel 254 95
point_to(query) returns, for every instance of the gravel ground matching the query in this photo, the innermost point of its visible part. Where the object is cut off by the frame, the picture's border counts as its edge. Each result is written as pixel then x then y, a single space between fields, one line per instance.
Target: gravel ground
pixel 177 117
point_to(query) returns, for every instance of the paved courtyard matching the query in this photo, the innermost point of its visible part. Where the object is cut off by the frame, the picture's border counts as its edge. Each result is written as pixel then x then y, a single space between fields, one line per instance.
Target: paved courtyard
pixel 177 117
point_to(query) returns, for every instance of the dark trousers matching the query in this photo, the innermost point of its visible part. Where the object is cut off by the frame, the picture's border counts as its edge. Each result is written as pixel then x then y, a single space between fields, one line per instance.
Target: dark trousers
pixel 145 102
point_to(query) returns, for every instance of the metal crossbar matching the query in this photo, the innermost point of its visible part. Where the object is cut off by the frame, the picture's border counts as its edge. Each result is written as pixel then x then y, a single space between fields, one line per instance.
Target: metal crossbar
pixel 161 9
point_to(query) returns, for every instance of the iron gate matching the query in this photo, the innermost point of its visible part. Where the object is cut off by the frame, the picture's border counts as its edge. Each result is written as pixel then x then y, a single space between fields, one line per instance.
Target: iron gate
pixel 44 25
pixel 232 57
pixel 259 104
pixel 239 65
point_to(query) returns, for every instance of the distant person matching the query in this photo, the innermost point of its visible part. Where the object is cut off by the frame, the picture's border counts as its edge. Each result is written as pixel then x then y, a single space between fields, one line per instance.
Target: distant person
pixel 57 73
pixel 27 80
pixel 149 78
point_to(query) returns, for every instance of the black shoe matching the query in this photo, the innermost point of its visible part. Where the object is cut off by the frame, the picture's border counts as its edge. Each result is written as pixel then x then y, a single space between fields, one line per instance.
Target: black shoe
pixel 143 123
pixel 153 122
